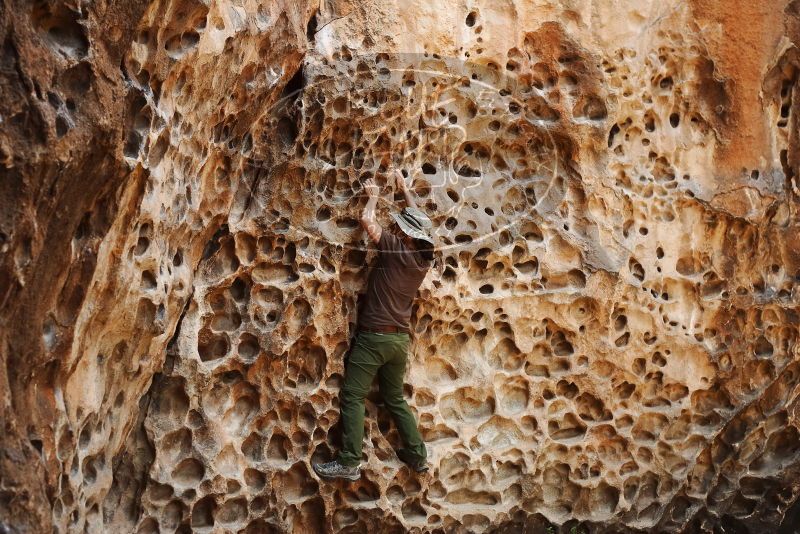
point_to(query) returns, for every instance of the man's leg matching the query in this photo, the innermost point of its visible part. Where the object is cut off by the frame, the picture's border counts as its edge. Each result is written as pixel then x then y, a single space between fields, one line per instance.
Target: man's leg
pixel 390 379
pixel 362 365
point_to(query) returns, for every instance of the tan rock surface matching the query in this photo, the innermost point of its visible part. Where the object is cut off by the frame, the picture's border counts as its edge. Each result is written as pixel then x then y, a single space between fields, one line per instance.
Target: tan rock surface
pixel 611 339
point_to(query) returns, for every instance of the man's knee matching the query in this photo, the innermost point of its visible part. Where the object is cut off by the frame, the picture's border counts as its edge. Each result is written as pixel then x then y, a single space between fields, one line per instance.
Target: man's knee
pixel 353 394
pixel 395 400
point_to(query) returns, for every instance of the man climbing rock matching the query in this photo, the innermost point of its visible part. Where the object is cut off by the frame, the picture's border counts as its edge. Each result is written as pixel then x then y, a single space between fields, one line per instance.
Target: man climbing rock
pixel 382 339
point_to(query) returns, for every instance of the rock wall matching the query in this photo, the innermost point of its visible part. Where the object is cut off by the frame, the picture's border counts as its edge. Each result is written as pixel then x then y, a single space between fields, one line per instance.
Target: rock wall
pixel 609 340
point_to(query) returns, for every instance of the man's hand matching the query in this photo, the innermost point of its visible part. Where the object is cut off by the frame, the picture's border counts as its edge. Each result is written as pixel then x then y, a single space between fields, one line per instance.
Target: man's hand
pixel 368 220
pixel 371 188
pixel 402 186
pixel 400 180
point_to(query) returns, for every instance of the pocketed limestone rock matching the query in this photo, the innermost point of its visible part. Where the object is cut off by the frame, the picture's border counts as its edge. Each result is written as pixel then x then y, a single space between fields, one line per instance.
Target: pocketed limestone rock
pixel 609 341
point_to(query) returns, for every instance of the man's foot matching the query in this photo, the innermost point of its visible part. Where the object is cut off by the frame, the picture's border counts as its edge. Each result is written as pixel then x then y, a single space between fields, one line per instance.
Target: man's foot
pixel 336 470
pixel 420 466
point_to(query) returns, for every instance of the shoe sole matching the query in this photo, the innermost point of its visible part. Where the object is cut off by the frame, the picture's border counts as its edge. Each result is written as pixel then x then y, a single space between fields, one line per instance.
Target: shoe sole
pixel 418 469
pixel 334 477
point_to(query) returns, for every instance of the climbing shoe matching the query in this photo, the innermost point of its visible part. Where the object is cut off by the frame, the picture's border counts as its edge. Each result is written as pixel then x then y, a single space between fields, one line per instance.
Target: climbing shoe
pixel 336 470
pixel 420 466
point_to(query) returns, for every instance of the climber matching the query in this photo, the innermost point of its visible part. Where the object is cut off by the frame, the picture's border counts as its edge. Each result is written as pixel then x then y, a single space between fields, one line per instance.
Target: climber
pixel 382 338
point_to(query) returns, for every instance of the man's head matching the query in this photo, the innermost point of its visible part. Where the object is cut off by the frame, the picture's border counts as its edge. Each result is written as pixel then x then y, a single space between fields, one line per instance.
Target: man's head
pixel 414 223
pixel 398 232
pixel 410 226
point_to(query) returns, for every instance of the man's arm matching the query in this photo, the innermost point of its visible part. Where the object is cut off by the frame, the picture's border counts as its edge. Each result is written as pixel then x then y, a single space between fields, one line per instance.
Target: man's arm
pixel 400 181
pixel 368 220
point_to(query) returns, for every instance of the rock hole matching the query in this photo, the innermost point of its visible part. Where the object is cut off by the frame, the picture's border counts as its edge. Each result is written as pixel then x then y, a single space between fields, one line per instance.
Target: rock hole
pixel 188 472
pixel 149 280
pixel 248 348
pixel 211 346
pixel 278 448
pixel 471 18
pixel 203 512
pixel 611 134
pixel 311 27
pixel 62 28
pixel 636 269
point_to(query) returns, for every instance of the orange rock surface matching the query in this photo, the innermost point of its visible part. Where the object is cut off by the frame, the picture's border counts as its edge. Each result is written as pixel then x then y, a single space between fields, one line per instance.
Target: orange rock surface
pixel 608 344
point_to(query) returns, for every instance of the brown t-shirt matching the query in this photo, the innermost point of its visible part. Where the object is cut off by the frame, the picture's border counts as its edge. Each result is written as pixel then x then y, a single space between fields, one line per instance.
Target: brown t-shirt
pixel 392 284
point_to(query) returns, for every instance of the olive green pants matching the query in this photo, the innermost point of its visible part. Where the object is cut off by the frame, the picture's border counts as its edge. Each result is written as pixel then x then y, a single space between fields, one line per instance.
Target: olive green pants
pixel 384 355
